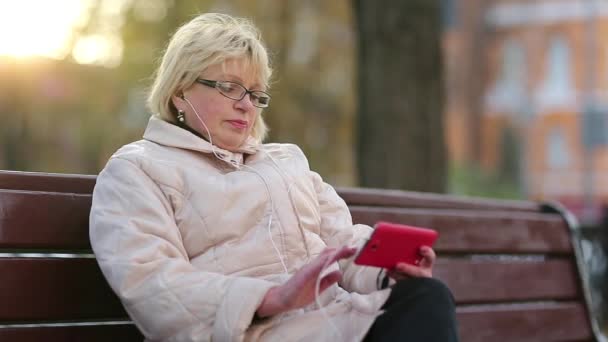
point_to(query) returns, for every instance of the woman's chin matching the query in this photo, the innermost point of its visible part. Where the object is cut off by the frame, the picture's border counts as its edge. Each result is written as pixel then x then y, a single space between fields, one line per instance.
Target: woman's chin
pixel 231 145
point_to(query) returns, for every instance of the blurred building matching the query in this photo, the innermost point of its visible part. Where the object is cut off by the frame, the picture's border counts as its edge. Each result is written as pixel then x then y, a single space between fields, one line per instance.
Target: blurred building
pixel 527 85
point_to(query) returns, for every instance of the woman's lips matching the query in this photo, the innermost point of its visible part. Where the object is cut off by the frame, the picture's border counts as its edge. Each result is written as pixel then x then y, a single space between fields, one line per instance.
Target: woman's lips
pixel 240 124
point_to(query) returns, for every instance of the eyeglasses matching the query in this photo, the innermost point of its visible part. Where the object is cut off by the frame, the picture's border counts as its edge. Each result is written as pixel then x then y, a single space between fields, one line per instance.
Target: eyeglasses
pixel 237 92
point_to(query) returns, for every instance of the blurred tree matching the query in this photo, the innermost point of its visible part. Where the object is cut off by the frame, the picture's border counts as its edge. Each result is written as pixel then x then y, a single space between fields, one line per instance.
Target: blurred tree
pixel 311 45
pixel 71 115
pixel 400 136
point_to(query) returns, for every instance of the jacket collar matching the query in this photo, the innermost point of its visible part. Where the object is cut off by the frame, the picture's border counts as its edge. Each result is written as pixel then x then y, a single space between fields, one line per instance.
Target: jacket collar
pixel 168 134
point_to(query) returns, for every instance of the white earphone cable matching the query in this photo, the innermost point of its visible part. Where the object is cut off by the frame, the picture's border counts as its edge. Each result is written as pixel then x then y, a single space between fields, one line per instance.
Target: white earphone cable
pixel 235 164
pixel 319 277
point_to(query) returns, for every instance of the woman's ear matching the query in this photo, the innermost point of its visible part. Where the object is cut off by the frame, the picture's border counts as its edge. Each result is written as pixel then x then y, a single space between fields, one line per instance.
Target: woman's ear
pixel 177 99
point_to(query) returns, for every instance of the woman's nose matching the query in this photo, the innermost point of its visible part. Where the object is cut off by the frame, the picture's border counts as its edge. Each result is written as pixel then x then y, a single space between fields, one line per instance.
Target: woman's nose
pixel 245 103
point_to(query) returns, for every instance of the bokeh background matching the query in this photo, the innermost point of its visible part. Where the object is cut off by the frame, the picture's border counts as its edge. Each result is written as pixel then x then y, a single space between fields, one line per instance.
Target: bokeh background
pixel 524 110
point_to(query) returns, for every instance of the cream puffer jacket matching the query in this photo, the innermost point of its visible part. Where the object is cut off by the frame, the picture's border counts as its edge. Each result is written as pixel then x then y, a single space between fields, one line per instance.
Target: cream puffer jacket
pixel 191 237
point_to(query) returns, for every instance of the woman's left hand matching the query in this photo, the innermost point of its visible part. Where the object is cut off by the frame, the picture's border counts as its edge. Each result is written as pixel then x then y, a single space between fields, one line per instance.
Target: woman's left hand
pixel 423 270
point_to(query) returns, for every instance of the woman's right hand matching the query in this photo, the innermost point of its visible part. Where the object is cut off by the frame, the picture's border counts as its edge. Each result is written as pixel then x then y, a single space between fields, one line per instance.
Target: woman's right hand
pixel 299 290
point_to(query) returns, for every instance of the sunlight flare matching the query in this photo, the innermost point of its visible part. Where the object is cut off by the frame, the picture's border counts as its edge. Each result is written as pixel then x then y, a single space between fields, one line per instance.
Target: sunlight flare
pixel 39 28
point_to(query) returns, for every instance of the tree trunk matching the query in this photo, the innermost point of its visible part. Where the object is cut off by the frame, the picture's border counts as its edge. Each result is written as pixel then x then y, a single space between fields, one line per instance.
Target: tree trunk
pixel 400 135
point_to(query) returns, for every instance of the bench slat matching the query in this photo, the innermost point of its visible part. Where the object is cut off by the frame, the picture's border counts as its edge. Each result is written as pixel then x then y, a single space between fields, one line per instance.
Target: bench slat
pixel 50 182
pixel 76 183
pixel 411 199
pixel 44 220
pixel 55 289
pixel 92 333
pixel 60 221
pixel 463 231
pixel 64 289
pixel 525 322
pixel 505 281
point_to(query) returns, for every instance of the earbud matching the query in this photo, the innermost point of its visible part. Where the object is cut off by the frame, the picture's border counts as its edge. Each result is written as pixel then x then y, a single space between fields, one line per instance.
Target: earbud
pixel 201 121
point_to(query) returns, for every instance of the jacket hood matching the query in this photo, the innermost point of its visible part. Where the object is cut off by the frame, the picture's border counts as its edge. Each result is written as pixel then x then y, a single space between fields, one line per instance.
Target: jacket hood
pixel 168 134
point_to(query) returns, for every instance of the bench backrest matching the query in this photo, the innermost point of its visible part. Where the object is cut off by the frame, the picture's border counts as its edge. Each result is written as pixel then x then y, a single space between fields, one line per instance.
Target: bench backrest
pixel 511 265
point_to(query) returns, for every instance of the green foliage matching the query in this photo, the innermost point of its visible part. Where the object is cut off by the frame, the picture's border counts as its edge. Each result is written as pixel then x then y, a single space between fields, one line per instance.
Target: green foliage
pixel 470 180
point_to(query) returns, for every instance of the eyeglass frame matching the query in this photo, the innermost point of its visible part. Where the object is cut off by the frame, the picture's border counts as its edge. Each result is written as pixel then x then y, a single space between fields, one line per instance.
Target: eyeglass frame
pixel 214 84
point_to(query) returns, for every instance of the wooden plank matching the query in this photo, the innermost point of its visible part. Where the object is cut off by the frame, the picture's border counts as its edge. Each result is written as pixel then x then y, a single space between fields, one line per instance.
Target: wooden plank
pixel 50 182
pixel 63 289
pixel 411 199
pixel 55 289
pixel 525 322
pixel 60 221
pixel 44 220
pixel 469 231
pixel 484 281
pixel 83 184
pixel 89 333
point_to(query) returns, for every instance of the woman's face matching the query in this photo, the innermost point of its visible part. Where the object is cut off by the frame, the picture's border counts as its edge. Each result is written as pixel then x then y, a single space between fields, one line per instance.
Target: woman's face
pixel 229 121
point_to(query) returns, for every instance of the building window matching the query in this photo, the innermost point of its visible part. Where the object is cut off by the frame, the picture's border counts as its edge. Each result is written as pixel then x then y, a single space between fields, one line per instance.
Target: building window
pixel 556 89
pixel 508 95
pixel 557 149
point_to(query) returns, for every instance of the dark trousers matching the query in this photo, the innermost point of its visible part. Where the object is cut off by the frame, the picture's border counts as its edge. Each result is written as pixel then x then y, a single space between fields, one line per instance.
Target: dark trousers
pixel 418 309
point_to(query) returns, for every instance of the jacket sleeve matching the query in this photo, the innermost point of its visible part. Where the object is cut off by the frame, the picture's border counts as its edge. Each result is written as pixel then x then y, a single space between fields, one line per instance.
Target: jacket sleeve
pixel 139 249
pixel 337 230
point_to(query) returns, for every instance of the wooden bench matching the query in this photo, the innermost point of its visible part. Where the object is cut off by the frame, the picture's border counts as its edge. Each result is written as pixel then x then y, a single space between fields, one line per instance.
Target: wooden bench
pixel 511 265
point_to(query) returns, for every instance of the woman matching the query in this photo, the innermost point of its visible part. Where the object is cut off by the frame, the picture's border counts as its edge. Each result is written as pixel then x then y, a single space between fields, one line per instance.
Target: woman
pixel 206 234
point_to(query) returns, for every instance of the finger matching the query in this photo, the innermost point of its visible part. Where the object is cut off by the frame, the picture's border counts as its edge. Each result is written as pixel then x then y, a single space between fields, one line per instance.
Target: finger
pixel 426 250
pixel 344 253
pixel 338 254
pixel 329 280
pixel 411 270
pixel 327 257
pixel 327 252
pixel 316 266
pixel 428 257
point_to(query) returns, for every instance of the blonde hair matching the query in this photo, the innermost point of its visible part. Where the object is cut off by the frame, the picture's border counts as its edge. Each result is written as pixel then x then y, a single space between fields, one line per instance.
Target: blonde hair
pixel 207 40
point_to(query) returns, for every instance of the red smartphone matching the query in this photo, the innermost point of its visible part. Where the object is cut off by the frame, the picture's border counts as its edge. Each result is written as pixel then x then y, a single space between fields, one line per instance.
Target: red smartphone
pixel 391 243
